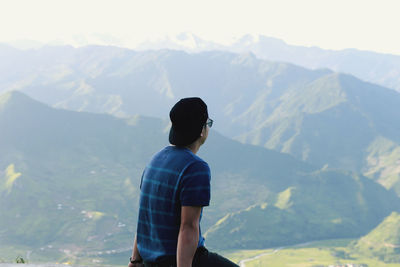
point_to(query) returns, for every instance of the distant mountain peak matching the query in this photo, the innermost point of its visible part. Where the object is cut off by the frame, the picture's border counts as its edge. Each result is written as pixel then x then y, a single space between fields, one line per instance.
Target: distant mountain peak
pixel 9 96
pixel 13 94
pixel 249 39
pixel 187 36
pixel 253 39
pixel 17 99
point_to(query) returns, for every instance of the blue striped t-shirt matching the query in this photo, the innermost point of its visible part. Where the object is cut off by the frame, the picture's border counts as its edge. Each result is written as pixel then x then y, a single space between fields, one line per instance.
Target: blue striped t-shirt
pixel 174 178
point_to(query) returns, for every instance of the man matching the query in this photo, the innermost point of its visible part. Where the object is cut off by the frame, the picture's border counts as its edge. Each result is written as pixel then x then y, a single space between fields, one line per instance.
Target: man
pixel 175 187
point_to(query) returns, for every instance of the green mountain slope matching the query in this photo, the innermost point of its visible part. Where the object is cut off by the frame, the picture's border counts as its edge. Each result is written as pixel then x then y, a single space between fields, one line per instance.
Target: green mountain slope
pixel 69 184
pixel 383 242
pixel 337 121
pixel 77 174
pixel 322 205
pixel 72 177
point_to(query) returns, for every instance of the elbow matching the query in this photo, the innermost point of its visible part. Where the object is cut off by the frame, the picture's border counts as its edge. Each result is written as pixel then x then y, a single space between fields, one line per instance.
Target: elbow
pixel 189 226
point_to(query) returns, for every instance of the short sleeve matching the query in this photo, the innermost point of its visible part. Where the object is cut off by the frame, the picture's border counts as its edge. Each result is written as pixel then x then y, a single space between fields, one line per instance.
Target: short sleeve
pixel 141 180
pixel 195 185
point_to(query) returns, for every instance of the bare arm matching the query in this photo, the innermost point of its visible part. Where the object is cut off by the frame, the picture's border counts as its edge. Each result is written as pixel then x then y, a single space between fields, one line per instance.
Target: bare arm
pixel 188 235
pixel 135 255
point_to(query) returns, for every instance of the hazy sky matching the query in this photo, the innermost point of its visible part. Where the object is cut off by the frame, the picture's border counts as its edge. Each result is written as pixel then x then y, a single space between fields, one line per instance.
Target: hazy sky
pixel 335 24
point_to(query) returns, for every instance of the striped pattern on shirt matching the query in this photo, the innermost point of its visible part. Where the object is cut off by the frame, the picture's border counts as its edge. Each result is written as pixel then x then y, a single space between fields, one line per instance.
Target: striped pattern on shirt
pixel 174 178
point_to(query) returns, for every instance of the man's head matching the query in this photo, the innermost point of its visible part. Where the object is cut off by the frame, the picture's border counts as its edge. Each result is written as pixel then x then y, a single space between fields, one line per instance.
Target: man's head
pixel 188 117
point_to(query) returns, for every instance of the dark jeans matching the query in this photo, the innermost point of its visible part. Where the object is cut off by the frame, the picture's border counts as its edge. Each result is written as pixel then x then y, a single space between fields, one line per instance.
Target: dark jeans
pixel 202 258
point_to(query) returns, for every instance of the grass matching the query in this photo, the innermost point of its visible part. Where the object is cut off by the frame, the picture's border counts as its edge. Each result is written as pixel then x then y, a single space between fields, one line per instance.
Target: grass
pixel 321 253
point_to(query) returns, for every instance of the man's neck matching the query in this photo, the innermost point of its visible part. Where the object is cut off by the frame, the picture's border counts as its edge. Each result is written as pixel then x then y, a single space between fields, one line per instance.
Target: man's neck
pixel 194 147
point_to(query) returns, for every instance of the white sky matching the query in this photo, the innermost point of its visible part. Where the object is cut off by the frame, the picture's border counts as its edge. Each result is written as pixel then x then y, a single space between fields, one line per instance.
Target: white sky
pixel 333 24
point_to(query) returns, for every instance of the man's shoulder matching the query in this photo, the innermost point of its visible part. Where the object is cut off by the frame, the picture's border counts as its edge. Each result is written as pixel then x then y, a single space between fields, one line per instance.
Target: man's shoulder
pixel 178 153
pixel 177 158
pixel 198 163
pixel 195 162
pixel 197 167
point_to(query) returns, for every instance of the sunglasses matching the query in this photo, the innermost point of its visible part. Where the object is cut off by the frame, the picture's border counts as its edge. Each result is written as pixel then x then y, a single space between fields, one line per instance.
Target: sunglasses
pixel 209 122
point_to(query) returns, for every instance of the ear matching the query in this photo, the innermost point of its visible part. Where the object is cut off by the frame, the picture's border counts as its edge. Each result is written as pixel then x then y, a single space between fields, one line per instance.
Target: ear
pixel 203 131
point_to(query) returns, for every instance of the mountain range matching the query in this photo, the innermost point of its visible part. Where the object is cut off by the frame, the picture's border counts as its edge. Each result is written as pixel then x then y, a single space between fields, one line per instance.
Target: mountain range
pixel 319 116
pixel 69 186
pixel 378 68
pixel 374 67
